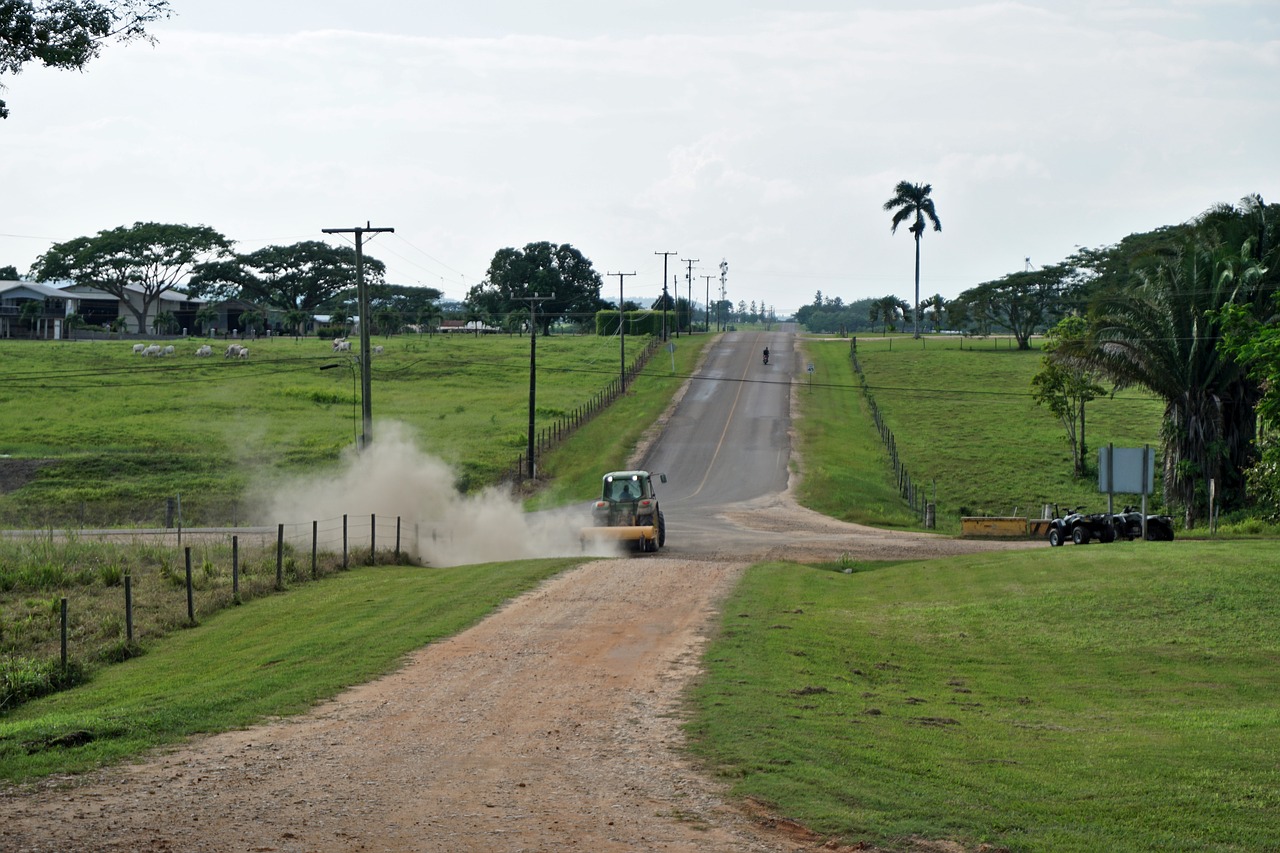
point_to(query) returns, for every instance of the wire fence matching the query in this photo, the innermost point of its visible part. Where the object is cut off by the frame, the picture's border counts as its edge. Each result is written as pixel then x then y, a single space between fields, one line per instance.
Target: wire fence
pixel 565 425
pixel 912 492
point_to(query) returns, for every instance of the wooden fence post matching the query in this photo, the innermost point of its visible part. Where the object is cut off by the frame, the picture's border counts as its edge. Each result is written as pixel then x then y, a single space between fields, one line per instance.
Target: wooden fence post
pixel 64 633
pixel 315 534
pixel 191 601
pixel 235 569
pixel 279 556
pixel 128 608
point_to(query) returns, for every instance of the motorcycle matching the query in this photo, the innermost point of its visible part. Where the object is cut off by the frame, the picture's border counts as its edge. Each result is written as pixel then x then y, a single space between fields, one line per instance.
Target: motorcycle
pixel 1129 526
pixel 766 356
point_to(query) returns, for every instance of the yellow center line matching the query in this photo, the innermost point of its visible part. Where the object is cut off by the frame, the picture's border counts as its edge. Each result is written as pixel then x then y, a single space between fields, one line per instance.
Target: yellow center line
pixel 741 384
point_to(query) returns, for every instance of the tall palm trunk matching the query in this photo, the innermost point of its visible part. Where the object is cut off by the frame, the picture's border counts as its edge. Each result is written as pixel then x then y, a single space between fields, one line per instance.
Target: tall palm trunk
pixel 917 302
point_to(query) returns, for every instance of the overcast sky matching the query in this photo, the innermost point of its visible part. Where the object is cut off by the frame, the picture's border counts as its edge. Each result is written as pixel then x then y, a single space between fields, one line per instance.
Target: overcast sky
pixel 768 134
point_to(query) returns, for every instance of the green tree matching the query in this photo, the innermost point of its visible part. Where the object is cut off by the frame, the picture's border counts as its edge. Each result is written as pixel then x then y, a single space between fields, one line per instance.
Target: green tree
pixel 891 309
pixel 252 320
pixel 406 300
pixel 296 320
pixel 147 259
pixel 913 202
pixel 206 317
pixel 936 307
pixel 31 313
pixel 1164 336
pixel 428 317
pixel 389 321
pixel 9 273
pixel 74 322
pixel 164 323
pixel 306 275
pixel 341 317
pixel 1022 302
pixel 541 269
pixel 1065 384
pixel 68 33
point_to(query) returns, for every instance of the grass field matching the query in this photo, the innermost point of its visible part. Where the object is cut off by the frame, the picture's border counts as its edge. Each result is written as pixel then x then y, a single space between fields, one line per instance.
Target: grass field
pixel 1081 699
pixel 125 433
pixel 964 421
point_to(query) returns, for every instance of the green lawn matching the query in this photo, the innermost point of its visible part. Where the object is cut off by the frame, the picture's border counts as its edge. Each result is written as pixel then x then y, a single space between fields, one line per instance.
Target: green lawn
pixel 965 424
pixel 126 433
pixel 1077 699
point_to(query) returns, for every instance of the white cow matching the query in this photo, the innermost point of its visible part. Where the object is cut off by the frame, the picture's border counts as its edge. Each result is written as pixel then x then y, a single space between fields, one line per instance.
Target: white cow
pixel 152 350
pixel 233 350
pixel 377 350
pixel 244 352
pixel 138 348
pixel 204 351
pixel 169 350
pixel 342 346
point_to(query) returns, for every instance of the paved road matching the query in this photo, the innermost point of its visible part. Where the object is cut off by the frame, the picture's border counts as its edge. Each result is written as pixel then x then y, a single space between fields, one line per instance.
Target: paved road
pixel 728 440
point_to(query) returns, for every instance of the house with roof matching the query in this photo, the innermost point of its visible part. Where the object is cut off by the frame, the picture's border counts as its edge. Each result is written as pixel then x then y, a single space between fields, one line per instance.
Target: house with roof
pixel 16 320
pixel 100 308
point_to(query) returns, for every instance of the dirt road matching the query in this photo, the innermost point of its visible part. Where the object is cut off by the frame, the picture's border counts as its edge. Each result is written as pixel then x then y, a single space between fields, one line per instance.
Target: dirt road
pixel 548 727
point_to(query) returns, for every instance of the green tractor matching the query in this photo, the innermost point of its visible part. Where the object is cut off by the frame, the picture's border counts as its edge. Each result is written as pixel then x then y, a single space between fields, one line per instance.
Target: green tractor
pixel 628 511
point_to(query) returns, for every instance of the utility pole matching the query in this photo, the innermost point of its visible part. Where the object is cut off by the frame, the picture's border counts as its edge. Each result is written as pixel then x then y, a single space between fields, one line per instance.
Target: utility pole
pixel 664 292
pixel 675 305
pixel 706 323
pixel 362 295
pixel 688 276
pixel 533 301
pixel 724 271
pixel 622 331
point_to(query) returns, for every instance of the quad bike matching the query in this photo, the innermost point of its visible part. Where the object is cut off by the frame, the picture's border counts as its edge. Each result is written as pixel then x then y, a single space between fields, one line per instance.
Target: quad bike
pixel 1129 526
pixel 1081 528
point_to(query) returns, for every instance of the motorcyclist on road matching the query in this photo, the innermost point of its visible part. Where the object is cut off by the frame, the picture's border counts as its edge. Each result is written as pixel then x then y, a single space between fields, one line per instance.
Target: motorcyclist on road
pixel 766 355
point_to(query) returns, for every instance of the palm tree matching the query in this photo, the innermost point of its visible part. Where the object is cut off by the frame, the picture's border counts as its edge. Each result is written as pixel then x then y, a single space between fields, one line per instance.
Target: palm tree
pixel 936 305
pixel 73 322
pixel 206 317
pixel 296 319
pixel 251 320
pixel 341 317
pixel 31 312
pixel 1163 335
pixel 164 323
pixel 912 201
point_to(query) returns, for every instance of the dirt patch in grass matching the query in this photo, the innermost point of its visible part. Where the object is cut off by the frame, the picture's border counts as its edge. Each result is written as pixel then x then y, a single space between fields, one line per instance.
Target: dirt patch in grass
pixel 16 473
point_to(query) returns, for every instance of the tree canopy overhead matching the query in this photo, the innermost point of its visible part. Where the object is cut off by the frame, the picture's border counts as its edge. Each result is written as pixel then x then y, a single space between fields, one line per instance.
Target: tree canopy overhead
pixel 304 276
pixel 69 33
pixel 540 269
pixel 148 258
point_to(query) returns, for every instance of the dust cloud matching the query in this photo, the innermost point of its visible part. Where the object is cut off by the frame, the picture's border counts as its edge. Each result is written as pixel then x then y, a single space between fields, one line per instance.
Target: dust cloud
pixel 439 527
